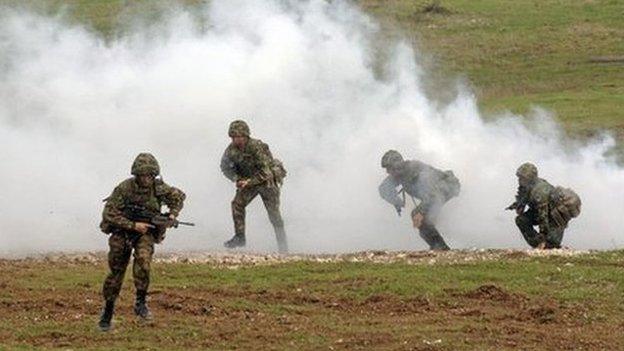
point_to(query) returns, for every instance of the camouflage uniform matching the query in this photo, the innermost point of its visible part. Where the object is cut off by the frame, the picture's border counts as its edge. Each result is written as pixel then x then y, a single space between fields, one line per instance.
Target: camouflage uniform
pixel 431 186
pixel 123 238
pixel 254 162
pixel 536 195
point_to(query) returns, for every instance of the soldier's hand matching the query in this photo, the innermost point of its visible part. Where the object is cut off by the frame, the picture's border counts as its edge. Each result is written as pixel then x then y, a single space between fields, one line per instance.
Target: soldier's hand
pixel 541 246
pixel 172 219
pixel 242 183
pixel 142 228
pixel 417 219
pixel 519 210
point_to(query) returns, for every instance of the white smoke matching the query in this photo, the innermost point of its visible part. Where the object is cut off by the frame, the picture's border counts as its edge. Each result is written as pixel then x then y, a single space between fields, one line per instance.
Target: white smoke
pixel 75 110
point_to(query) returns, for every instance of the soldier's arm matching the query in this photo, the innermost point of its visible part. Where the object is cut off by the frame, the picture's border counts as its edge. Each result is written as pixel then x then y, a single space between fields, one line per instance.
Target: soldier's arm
pixel 113 211
pixel 263 159
pixel 521 200
pixel 541 207
pixel 388 192
pixel 227 167
pixel 174 199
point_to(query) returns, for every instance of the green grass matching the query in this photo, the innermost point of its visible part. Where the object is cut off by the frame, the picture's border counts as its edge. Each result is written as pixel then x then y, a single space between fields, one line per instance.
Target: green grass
pixel 523 53
pixel 309 305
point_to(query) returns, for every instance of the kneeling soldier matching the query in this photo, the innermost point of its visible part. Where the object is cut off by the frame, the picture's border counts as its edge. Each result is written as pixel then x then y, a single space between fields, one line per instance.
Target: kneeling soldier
pixel 550 208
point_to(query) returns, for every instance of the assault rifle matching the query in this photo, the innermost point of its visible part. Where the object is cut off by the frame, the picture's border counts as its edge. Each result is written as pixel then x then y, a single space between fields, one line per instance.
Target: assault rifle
pixel 161 221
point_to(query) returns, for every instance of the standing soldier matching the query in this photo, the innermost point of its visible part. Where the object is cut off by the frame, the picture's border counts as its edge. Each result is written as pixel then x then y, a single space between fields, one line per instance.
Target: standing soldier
pixel 431 186
pixel 149 193
pixel 550 208
pixel 249 163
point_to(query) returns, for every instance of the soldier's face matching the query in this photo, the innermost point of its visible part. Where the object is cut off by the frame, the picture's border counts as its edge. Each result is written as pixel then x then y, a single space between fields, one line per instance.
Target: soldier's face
pixel 239 141
pixel 524 181
pixel 145 180
pixel 392 171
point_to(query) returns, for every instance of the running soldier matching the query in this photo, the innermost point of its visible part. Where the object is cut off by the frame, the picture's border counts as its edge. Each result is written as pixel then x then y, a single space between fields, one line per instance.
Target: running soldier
pixel 431 186
pixel 146 192
pixel 250 165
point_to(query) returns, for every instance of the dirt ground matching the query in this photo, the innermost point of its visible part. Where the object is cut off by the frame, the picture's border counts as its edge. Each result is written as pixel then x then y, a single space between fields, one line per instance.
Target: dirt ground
pixel 41 308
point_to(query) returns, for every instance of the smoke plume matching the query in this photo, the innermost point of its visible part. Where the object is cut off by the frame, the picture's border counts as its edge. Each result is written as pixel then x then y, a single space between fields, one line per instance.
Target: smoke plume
pixel 76 109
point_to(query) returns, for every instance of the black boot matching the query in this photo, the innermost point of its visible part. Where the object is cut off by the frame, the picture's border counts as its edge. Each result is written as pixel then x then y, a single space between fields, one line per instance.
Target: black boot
pixel 140 306
pixel 107 316
pixel 238 240
pixel 432 237
pixel 282 243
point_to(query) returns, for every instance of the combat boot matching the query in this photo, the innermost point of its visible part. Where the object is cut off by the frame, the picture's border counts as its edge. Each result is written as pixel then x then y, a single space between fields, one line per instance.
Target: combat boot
pixel 432 237
pixel 107 315
pixel 282 243
pixel 140 306
pixel 238 240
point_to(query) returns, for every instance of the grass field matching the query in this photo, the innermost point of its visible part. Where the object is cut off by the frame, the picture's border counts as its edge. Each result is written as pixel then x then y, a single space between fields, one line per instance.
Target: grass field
pixel 567 56
pixel 465 301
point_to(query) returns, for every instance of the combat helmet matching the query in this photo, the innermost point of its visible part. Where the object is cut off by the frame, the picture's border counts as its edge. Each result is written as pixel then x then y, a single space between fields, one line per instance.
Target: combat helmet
pixel 145 163
pixel 391 158
pixel 239 128
pixel 527 171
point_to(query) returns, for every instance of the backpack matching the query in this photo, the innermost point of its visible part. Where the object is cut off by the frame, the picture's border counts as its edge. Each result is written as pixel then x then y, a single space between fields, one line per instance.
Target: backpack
pixel 451 185
pixel 276 166
pixel 565 204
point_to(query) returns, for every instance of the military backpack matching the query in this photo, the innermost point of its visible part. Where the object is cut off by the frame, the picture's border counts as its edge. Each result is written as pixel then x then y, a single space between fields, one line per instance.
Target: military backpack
pixel 277 167
pixel 565 204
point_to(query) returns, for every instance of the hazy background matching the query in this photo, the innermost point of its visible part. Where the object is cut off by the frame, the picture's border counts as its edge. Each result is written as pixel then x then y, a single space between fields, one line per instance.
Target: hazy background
pixel 75 111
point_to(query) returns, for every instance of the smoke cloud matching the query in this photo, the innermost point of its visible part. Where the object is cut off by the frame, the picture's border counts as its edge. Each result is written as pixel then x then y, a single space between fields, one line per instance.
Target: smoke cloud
pixel 75 110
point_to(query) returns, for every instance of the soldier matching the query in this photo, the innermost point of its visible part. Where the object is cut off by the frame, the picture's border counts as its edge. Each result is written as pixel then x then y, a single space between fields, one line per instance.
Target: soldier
pixel 431 186
pixel 549 207
pixel 249 163
pixel 147 191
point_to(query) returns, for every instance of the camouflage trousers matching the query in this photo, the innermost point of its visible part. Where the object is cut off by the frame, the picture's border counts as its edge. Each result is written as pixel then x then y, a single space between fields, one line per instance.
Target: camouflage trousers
pixel 552 237
pixel 121 245
pixel 271 198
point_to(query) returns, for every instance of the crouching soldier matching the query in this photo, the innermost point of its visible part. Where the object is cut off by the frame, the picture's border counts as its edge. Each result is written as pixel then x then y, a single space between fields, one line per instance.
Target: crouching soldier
pixel 146 193
pixel 431 186
pixel 540 204
pixel 250 165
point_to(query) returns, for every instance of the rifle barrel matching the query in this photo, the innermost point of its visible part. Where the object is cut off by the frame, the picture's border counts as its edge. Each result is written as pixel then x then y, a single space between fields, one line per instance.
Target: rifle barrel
pixel 186 223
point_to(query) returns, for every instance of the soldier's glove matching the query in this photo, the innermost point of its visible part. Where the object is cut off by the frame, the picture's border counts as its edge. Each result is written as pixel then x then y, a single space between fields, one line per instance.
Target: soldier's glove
pixel 417 219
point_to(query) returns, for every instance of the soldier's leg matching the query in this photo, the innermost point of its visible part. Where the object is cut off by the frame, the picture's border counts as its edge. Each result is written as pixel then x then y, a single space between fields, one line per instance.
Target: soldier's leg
pixel 526 223
pixel 271 199
pixel 431 236
pixel 554 237
pixel 141 267
pixel 427 231
pixel 242 198
pixel 118 258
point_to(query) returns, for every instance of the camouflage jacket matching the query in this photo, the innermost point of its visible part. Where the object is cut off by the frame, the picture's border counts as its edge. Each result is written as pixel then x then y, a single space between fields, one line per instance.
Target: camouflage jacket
pixel 537 197
pixel 426 183
pixel 253 162
pixel 128 193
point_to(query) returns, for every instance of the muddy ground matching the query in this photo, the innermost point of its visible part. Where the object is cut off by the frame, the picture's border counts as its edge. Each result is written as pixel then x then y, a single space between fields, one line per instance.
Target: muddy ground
pixel 336 302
